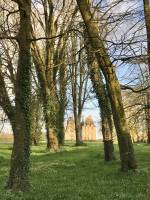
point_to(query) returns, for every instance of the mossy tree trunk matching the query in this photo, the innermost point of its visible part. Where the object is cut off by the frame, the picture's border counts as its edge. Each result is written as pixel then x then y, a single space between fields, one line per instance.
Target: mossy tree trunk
pixel 60 126
pixel 49 65
pixel 50 110
pixel 107 139
pixel 147 23
pixel 61 70
pixel 5 102
pixel 48 98
pixel 47 72
pixel 114 91
pixel 51 102
pixel 104 105
pixel 36 119
pixel 62 106
pixel 147 114
pixel 19 168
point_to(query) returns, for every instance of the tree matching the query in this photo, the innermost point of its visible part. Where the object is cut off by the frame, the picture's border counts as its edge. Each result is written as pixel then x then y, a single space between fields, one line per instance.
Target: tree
pixel 5 102
pixel 124 139
pixel 19 169
pixel 79 79
pixel 147 23
pixel 104 105
pixel 36 119
pixel 49 66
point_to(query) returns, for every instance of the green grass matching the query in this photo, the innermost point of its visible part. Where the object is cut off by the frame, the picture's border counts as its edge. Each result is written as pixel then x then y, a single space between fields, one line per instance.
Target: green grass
pixel 80 173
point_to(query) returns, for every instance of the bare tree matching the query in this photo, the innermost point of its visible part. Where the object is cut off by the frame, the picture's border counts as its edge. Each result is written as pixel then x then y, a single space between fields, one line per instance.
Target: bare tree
pixel 79 78
pixel 15 82
pixel 147 23
pixel 104 105
pixel 124 139
pixel 51 64
pixel 18 177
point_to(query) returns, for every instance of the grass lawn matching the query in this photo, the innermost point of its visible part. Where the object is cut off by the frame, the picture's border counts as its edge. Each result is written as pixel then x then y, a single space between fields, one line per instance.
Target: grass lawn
pixel 80 173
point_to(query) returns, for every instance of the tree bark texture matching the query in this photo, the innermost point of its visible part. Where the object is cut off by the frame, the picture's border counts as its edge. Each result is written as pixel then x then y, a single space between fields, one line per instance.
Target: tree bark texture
pixel 19 169
pixel 47 96
pixel 114 91
pixel 147 23
pixel 104 105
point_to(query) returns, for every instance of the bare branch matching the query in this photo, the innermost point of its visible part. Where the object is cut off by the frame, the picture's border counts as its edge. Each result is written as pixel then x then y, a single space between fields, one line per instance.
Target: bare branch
pixel 124 87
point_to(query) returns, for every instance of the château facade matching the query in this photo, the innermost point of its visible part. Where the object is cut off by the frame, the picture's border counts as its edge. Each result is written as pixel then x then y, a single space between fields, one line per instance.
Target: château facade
pixel 88 129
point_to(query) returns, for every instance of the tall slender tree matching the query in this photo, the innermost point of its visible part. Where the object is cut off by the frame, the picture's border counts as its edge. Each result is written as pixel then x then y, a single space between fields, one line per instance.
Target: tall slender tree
pixel 19 169
pixel 5 102
pixel 51 65
pixel 147 23
pixel 104 105
pixel 124 139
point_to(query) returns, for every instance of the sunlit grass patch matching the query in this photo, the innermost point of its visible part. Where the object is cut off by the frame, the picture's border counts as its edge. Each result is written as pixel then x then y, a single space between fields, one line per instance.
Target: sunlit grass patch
pixel 80 173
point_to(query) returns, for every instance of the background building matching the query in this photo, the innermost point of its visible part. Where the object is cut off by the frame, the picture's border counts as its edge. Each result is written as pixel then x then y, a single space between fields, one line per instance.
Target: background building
pixel 88 129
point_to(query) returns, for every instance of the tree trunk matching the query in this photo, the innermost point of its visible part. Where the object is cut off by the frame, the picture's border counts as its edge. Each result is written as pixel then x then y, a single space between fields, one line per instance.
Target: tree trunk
pixel 78 131
pixel 62 99
pixel 107 139
pixel 108 150
pixel 60 125
pixel 147 110
pixel 5 101
pixel 104 106
pixel 52 140
pixel 147 23
pixel 35 142
pixel 78 135
pixel 47 96
pixel 124 139
pixel 77 118
pixel 51 124
pixel 19 169
pixel 36 119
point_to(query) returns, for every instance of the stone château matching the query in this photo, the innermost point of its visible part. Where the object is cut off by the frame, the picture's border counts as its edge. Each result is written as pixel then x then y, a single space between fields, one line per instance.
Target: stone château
pixel 88 129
